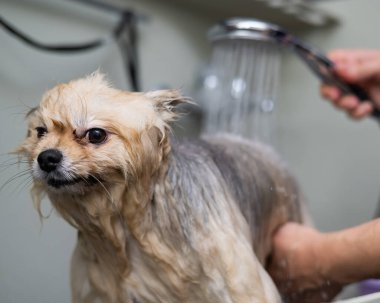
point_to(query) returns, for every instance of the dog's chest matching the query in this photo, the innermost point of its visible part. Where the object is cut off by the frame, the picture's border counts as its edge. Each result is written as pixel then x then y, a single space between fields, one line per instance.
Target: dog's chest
pixel 153 280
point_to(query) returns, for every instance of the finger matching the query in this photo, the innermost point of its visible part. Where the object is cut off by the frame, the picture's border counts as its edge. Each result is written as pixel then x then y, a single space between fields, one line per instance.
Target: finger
pixel 361 111
pixel 330 92
pixel 348 103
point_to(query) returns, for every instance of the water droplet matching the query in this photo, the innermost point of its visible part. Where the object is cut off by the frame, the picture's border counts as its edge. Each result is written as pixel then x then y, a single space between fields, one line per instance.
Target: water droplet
pixel 267 106
pixel 324 295
pixel 283 263
pixel 237 88
pixel 211 82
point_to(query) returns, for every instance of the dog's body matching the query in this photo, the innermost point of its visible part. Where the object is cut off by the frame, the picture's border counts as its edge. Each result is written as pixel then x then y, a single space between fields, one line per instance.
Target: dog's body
pixel 158 221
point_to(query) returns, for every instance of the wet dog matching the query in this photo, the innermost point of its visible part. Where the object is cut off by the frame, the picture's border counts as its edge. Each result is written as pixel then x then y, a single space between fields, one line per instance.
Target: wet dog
pixel 157 220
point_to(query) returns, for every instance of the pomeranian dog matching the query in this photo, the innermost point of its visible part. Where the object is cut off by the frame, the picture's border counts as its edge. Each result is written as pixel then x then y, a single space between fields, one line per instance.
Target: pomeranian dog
pixel 158 221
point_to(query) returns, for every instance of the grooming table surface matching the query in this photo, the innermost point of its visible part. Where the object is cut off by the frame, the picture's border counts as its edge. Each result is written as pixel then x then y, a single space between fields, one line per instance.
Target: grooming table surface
pixel 372 298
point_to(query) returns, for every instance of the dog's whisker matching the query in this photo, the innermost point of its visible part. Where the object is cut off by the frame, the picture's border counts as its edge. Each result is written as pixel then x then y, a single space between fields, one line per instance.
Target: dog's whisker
pixel 9 155
pixel 28 181
pixel 14 161
pixel 105 189
pixel 21 173
pixel 25 108
pixel 4 166
pixel 12 155
pixel 15 177
pixel 81 161
pixel 68 175
pixel 110 199
pixel 84 180
pixel 24 182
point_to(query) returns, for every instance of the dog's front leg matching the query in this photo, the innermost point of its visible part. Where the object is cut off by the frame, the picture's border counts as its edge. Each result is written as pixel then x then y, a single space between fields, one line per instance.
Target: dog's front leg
pixel 243 277
pixel 84 287
pixel 79 280
pixel 90 282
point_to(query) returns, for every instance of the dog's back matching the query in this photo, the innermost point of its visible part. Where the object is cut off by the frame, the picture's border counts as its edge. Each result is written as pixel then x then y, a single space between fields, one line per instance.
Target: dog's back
pixel 215 213
pixel 251 172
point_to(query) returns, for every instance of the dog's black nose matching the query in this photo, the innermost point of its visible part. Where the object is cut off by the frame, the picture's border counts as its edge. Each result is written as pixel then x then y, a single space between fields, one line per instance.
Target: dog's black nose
pixel 49 159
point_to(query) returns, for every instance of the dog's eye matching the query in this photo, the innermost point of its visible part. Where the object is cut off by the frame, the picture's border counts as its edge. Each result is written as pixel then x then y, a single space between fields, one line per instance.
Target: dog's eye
pixel 96 135
pixel 41 131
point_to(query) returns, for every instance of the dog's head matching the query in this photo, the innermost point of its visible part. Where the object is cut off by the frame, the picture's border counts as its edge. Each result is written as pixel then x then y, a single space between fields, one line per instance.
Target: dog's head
pixel 85 133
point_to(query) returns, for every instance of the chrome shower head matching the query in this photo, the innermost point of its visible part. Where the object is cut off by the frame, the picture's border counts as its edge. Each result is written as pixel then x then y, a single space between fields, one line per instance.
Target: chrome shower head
pixel 253 29
pixel 243 28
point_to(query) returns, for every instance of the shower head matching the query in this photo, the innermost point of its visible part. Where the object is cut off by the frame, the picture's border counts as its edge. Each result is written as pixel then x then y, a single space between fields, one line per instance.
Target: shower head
pixel 243 28
pixel 253 29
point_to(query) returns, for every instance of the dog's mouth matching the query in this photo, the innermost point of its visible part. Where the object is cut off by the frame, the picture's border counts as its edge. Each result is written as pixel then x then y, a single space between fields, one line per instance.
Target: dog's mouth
pixel 59 182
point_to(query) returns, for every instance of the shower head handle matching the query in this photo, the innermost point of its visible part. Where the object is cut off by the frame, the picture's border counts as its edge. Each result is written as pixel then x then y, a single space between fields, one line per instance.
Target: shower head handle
pixel 322 67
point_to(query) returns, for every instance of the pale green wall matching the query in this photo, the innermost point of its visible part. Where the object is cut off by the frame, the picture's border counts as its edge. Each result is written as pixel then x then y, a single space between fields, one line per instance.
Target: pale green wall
pixel 335 159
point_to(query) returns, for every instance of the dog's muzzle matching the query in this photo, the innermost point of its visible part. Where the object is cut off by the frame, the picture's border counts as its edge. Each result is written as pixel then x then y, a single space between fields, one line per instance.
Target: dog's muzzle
pixel 50 163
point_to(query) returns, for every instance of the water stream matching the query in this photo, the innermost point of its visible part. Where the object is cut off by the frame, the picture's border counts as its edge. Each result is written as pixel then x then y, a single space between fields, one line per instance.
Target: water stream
pixel 239 89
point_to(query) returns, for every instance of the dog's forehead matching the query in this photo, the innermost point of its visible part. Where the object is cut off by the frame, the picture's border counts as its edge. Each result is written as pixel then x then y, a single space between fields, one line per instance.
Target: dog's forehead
pixel 82 106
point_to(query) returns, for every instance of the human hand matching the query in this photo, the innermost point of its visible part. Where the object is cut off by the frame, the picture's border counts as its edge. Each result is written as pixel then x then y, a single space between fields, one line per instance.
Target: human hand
pixel 300 265
pixel 360 67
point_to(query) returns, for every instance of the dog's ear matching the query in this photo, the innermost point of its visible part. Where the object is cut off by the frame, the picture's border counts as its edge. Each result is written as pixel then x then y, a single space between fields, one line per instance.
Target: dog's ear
pixel 166 101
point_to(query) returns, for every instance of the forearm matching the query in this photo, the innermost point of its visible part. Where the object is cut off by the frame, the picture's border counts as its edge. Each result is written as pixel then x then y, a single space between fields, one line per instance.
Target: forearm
pixel 352 254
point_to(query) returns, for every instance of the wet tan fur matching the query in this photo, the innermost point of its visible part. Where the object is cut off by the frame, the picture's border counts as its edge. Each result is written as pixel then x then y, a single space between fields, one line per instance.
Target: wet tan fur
pixel 121 252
